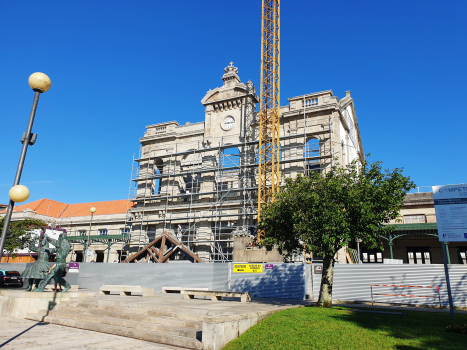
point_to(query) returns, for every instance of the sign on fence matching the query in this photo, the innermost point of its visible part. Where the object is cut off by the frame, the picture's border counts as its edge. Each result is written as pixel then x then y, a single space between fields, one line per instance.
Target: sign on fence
pixel 74 267
pixel 451 212
pixel 248 268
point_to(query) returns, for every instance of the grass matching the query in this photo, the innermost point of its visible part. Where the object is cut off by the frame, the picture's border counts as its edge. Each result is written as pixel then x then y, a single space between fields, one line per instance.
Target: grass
pixel 340 328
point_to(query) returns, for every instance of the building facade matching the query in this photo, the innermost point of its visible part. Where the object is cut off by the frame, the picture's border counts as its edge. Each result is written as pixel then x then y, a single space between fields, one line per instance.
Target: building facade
pixel 415 239
pixel 198 181
pixel 109 226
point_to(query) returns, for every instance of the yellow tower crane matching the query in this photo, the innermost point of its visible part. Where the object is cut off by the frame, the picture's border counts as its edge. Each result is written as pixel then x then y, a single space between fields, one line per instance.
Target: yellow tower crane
pixel 269 114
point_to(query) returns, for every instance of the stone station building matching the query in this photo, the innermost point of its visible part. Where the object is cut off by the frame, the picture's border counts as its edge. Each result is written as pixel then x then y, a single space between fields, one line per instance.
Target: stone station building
pixel 198 181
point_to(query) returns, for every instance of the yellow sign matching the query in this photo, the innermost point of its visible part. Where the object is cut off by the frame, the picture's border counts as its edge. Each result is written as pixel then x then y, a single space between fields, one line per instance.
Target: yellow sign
pixel 248 268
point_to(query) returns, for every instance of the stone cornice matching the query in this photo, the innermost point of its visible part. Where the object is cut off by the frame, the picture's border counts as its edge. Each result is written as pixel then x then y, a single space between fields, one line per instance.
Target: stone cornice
pixel 299 98
pixel 162 124
pixel 171 135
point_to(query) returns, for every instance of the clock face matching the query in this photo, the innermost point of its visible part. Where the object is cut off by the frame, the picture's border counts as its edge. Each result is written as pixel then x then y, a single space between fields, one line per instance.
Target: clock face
pixel 228 123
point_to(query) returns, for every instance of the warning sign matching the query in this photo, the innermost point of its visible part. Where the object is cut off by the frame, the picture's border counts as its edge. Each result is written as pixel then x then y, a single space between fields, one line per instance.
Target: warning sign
pixel 248 268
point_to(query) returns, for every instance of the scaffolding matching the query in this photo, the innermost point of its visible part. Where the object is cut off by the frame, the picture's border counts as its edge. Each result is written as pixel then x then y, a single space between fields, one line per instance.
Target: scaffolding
pixel 206 194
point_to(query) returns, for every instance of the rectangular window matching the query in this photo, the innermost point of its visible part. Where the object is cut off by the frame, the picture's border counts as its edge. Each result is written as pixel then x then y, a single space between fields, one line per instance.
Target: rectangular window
pixel 81 232
pixel 310 102
pixel 312 166
pixel 12 273
pixel 418 255
pixel 372 256
pixel 414 219
pixel 103 232
pixel 124 231
pixel 462 254
pixel 222 186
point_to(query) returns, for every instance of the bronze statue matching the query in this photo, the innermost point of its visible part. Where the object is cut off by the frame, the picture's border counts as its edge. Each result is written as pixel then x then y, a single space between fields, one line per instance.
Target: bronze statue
pixel 62 248
pixel 39 269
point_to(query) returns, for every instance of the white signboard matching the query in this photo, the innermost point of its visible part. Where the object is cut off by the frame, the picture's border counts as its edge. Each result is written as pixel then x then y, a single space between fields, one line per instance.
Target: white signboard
pixel 451 212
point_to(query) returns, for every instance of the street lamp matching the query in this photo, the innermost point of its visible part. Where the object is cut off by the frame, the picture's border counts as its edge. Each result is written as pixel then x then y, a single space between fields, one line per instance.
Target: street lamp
pixel 92 210
pixel 19 193
pixel 39 83
pixel 358 240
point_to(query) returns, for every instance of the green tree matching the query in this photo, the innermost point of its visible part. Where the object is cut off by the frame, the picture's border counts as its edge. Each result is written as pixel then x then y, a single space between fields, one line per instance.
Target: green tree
pixel 19 234
pixel 324 212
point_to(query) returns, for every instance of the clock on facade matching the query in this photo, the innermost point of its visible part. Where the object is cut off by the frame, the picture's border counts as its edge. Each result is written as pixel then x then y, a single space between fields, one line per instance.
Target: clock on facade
pixel 228 123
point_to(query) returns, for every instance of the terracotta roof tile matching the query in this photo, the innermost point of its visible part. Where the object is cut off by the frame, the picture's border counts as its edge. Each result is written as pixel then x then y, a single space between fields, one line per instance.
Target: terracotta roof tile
pixel 44 206
pixel 102 208
pixel 52 208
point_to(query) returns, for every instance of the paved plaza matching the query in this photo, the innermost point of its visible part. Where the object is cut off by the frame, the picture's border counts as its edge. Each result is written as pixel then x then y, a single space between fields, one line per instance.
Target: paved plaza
pixel 32 335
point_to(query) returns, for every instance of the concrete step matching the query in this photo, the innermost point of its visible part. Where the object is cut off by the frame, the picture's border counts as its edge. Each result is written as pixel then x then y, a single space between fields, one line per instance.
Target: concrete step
pixel 159 328
pixel 178 307
pixel 139 317
pixel 163 338
pixel 135 308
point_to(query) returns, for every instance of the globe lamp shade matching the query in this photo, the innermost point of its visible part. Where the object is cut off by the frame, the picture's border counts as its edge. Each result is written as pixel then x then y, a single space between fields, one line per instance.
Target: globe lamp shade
pixel 92 210
pixel 39 81
pixel 19 193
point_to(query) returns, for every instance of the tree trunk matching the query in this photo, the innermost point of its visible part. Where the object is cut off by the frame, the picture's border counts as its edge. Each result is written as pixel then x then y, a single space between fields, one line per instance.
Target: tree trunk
pixel 325 292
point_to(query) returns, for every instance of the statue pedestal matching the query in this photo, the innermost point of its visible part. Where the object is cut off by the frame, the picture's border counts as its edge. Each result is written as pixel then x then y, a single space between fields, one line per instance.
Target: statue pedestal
pixel 16 303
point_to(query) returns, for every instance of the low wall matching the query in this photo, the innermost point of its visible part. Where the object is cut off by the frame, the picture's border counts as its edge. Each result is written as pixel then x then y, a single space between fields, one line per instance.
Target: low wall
pixel 219 331
pixel 15 303
pixel 291 281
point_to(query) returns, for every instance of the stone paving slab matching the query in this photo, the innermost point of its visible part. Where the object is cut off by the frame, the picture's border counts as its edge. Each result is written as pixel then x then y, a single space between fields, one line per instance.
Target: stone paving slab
pixel 16 334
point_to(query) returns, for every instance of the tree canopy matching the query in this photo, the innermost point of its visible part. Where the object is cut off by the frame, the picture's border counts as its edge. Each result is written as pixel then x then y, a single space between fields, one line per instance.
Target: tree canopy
pixel 324 212
pixel 19 234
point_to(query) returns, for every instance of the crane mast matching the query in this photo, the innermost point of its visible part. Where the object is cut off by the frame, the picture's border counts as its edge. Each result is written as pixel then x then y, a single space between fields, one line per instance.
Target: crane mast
pixel 269 115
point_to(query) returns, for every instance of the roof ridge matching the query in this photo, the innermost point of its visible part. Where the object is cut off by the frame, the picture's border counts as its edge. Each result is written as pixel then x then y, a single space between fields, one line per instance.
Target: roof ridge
pixel 64 210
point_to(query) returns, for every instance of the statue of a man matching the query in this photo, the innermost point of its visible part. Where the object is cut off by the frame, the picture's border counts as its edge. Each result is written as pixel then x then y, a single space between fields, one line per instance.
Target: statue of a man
pixel 62 247
pixel 39 269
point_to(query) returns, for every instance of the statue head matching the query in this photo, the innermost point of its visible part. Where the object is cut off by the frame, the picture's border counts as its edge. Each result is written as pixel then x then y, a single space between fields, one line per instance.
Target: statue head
pixel 62 238
pixel 44 243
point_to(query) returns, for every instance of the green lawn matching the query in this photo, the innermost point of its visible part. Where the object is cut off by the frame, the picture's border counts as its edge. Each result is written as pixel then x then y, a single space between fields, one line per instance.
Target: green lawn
pixel 340 328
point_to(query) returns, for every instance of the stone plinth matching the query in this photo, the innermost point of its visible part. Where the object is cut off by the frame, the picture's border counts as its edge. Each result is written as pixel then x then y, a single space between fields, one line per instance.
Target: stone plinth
pixel 257 255
pixel 19 304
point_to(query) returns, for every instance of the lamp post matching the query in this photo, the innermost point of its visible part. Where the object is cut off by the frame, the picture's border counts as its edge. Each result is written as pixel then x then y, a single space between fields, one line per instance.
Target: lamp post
pixel 92 210
pixel 358 240
pixel 39 83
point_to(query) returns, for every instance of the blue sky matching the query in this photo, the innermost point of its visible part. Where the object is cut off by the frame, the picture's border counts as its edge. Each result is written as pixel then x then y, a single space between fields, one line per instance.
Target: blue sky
pixel 119 66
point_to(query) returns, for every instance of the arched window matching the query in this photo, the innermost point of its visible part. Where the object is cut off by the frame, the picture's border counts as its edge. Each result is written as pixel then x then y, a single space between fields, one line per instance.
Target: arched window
pixel 230 157
pixel 158 181
pixel 229 164
pixel 310 152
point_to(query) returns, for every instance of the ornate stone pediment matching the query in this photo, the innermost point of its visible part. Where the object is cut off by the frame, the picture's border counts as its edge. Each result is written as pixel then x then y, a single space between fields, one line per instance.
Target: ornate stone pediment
pixel 231 94
pixel 213 97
